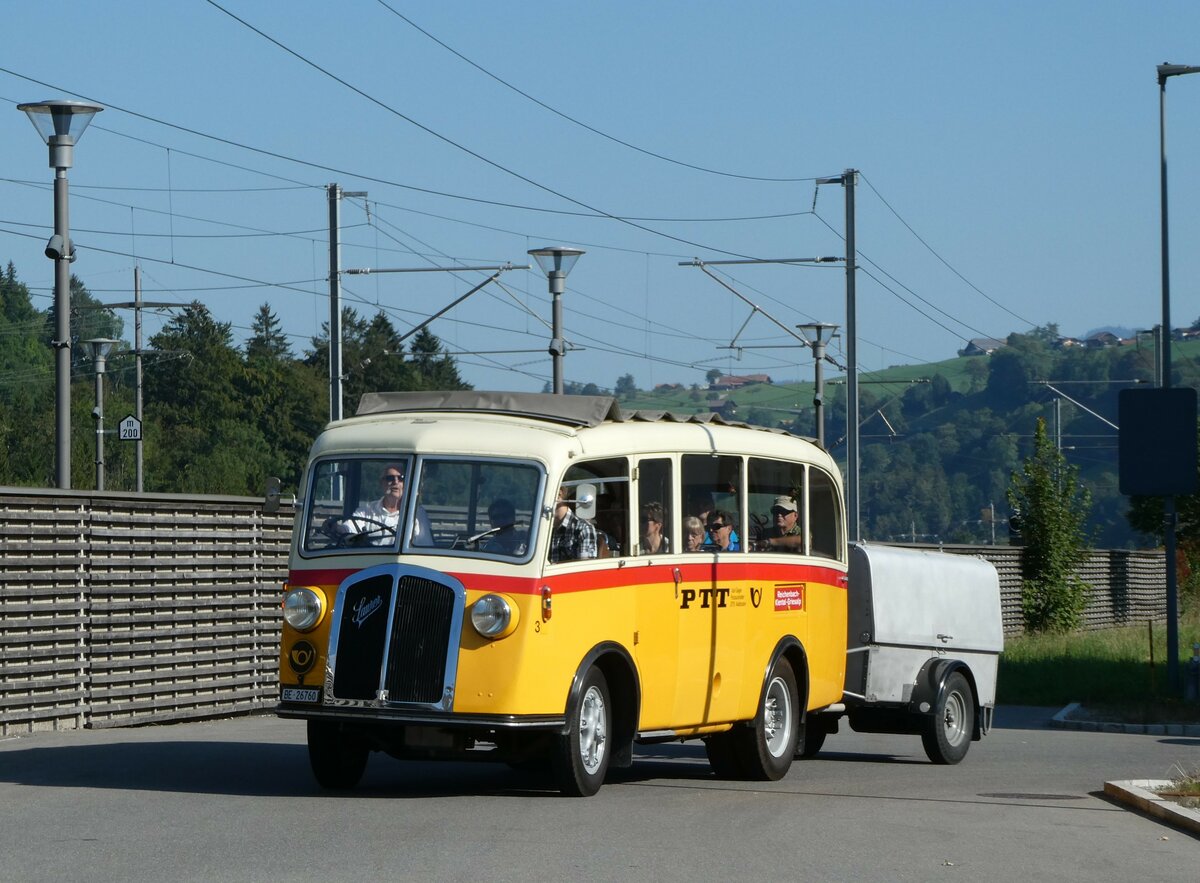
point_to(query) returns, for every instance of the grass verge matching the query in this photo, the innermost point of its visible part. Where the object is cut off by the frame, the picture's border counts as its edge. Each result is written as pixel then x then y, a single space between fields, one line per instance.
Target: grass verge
pixel 1109 671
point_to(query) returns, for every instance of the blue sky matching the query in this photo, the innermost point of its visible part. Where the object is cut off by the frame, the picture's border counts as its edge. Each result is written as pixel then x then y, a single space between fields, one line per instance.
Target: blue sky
pixel 1008 156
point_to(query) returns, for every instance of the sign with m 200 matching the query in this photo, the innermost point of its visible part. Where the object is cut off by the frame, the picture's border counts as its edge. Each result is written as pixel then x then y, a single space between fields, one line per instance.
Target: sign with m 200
pixel 130 429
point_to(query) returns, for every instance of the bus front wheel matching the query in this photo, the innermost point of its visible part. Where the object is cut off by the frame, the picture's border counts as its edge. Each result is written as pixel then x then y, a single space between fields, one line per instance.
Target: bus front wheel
pixel 581 757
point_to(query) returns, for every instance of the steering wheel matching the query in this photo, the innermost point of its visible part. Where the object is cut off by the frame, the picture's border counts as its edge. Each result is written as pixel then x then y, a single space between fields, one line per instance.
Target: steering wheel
pixel 358 538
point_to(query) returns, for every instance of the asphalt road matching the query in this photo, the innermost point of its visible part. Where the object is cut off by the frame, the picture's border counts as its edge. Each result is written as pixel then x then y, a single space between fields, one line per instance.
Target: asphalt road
pixel 234 800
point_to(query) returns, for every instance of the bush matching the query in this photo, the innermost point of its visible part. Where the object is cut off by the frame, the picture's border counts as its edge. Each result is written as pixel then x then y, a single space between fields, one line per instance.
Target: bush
pixel 1053 605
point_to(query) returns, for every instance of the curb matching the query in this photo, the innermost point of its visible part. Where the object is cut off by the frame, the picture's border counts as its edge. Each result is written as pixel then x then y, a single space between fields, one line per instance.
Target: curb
pixel 1138 794
pixel 1060 722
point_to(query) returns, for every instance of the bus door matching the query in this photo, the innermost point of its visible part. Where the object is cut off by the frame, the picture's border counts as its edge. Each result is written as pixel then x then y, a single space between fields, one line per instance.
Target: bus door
pixel 666 684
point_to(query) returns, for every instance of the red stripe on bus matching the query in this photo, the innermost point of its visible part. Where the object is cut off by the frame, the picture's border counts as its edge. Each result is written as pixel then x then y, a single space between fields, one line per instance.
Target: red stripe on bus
pixel 615 577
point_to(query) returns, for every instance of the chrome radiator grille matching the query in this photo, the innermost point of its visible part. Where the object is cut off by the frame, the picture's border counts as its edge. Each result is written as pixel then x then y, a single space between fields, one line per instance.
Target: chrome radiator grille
pixel 416 667
pixel 409 658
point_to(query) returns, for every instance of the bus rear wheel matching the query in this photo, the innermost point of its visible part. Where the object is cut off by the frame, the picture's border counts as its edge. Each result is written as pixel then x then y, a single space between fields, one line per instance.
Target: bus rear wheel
pixel 581 756
pixel 764 749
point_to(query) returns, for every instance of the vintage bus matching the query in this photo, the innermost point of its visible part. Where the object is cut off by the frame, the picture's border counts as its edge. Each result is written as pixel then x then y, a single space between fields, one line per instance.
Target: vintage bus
pixel 549 580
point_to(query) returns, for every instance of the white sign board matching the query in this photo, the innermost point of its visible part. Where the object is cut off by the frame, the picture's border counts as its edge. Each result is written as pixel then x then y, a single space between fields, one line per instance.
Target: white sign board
pixel 130 429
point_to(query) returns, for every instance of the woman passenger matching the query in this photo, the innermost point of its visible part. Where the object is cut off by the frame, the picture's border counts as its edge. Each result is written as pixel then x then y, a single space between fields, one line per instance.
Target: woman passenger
pixel 654 542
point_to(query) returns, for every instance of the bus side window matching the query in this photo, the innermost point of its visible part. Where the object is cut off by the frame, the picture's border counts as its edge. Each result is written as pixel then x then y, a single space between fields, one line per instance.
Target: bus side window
pixel 825 514
pixel 713 485
pixel 776 505
pixel 608 482
pixel 656 522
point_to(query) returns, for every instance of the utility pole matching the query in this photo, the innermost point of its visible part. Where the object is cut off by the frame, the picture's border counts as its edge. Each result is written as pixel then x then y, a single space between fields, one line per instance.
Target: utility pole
pixel 137 305
pixel 848 179
pixel 335 195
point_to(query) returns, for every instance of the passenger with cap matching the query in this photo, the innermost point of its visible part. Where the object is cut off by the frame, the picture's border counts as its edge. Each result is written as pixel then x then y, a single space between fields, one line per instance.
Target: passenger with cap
pixel 786 534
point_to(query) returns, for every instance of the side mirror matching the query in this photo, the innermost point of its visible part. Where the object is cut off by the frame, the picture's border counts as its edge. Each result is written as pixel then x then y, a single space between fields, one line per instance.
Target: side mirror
pixel 585 501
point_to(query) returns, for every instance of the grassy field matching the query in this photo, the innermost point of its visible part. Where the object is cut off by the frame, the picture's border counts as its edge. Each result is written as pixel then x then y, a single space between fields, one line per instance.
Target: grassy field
pixel 1107 671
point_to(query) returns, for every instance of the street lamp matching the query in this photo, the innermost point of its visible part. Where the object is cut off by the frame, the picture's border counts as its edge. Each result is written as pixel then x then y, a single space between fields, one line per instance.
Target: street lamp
pixel 1164 72
pixel 101 347
pixel 556 262
pixel 822 332
pixel 61 125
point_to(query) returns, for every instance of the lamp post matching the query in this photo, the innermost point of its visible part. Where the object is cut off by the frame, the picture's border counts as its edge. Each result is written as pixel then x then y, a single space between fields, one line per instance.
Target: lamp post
pixel 61 124
pixel 1166 71
pixel 822 332
pixel 556 262
pixel 101 347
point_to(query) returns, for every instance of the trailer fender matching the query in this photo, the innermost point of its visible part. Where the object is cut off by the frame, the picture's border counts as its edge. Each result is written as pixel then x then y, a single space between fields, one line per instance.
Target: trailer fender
pixel 930 682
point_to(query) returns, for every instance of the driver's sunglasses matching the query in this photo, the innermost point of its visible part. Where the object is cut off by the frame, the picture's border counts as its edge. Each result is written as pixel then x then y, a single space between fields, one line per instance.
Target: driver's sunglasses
pixel 717 525
pixel 390 477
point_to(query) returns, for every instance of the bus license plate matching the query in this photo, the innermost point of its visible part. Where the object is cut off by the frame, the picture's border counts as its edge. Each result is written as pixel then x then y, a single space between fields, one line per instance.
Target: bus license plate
pixel 301 694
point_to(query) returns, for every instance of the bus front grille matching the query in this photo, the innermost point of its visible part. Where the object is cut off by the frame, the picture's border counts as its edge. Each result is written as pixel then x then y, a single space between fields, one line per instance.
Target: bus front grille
pixel 416 666
pixel 396 638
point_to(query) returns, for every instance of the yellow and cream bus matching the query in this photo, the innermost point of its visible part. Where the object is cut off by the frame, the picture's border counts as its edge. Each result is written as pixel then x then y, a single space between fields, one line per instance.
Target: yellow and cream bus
pixel 550 580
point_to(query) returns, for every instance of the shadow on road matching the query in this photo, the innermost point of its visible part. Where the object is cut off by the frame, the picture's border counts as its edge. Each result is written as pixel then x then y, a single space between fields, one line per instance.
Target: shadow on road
pixel 264 769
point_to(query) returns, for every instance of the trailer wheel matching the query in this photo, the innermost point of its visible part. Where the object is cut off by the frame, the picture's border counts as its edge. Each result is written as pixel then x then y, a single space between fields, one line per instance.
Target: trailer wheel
pixel 947 733
pixel 764 749
pixel 337 760
pixel 580 758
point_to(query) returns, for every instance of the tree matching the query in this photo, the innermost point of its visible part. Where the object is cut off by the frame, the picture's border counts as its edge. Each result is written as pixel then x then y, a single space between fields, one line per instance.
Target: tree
pixel 1053 507
pixel 203 442
pixel 432 366
pixel 268 340
pixel 286 400
pixel 713 375
pixel 626 386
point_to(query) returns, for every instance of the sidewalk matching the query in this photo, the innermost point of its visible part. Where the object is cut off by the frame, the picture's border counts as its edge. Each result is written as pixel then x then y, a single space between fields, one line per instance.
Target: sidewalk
pixel 1062 721
pixel 1139 794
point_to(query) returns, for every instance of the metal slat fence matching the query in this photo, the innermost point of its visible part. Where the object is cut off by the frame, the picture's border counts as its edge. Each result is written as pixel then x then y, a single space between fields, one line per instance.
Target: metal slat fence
pixel 118 609
pixel 123 609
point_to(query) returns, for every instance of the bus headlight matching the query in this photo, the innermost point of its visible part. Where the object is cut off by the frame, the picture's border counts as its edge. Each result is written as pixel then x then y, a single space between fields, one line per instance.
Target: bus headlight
pixel 493 616
pixel 302 608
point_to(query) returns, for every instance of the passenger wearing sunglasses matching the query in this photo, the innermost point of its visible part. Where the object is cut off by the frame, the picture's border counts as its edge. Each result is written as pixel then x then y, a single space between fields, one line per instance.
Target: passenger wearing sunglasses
pixel 721 533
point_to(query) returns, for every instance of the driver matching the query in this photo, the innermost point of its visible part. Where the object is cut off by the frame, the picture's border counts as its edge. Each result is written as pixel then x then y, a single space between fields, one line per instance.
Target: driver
pixel 378 520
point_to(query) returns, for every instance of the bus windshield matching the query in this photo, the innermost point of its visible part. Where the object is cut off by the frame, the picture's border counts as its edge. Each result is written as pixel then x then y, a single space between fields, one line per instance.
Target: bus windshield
pixel 456 505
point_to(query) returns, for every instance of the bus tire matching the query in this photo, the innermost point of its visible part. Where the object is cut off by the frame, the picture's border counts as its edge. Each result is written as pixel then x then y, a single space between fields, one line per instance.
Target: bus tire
pixel 337 760
pixel 580 758
pixel 765 747
pixel 722 752
pixel 947 733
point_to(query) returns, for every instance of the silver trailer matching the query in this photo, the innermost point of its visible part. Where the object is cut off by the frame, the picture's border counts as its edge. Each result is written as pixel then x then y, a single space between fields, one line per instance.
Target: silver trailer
pixel 924 641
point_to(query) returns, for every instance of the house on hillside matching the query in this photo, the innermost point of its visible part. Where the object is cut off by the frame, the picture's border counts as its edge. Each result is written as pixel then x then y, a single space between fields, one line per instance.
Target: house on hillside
pixel 1101 340
pixel 734 382
pixel 981 346
pixel 1066 343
